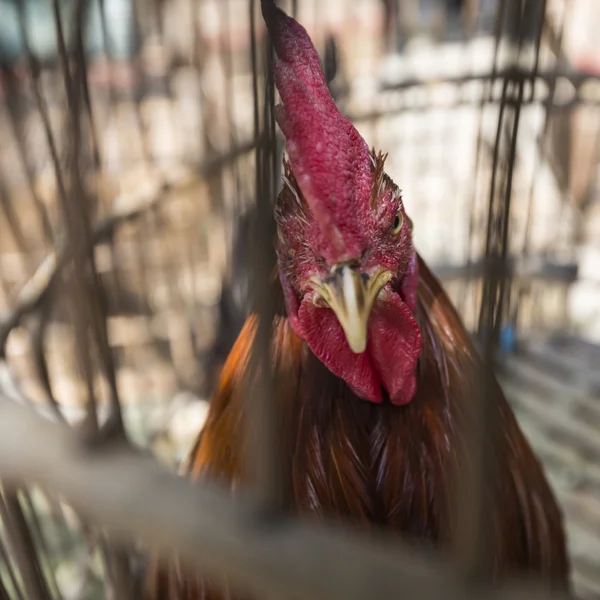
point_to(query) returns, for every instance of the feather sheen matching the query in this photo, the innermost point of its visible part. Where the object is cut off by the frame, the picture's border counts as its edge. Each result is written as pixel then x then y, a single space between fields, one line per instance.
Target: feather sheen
pixel 378 465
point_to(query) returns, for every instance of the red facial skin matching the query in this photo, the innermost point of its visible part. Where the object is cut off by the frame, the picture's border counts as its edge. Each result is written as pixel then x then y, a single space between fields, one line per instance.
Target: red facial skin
pixel 339 206
pixel 394 339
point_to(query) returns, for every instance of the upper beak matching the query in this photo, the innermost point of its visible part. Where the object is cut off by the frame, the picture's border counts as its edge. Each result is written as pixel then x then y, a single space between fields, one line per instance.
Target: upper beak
pixel 351 294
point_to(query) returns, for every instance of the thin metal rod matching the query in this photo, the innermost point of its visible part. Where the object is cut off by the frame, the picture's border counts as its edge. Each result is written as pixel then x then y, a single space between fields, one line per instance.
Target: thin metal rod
pixel 473 551
pixel 23 548
pixel 131 496
pixel 513 72
pixel 263 419
pixel 10 573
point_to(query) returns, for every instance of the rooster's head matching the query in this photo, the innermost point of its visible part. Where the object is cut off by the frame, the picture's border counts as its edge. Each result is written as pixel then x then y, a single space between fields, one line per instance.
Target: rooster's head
pixel 346 258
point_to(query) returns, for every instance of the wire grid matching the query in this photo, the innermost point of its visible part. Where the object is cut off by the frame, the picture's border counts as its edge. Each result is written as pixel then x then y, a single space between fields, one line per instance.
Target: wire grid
pixel 130 171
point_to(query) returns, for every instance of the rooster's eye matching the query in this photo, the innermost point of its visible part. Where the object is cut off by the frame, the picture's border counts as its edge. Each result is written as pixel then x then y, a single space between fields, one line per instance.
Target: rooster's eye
pixel 397 226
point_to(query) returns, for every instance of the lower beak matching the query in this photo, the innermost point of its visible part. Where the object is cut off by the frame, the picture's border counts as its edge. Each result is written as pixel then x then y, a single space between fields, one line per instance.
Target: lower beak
pixel 351 295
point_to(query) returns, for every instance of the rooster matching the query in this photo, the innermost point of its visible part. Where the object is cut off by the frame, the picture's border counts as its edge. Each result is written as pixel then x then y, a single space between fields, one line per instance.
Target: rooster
pixel 372 365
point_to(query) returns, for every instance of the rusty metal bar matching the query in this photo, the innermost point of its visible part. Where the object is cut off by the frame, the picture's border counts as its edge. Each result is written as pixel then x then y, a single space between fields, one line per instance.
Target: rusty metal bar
pixel 10 578
pixel 23 548
pixel 514 73
pixel 132 497
pixel 404 106
pixel 263 419
pixel 474 521
pixel 523 268
pixel 486 96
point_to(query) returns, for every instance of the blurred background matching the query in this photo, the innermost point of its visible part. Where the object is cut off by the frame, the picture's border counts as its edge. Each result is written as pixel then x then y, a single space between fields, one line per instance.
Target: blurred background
pixel 464 95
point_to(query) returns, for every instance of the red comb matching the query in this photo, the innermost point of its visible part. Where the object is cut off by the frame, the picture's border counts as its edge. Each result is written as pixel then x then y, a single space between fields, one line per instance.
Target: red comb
pixel 330 160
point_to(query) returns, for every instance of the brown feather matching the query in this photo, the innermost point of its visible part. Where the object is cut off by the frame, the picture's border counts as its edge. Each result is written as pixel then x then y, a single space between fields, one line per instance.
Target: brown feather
pixel 383 465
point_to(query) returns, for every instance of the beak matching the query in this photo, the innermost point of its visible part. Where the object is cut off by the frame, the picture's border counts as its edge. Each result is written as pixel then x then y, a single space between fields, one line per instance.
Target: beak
pixel 351 294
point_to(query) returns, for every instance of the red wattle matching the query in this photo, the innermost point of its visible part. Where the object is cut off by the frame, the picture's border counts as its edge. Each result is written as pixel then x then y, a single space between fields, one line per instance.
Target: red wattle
pixel 324 335
pixel 394 346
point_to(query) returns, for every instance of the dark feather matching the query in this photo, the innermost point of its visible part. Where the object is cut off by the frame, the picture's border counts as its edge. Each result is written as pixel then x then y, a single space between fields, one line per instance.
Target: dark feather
pixel 382 465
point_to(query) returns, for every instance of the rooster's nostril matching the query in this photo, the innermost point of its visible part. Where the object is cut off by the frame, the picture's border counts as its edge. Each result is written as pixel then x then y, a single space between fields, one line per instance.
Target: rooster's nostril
pixel 353 263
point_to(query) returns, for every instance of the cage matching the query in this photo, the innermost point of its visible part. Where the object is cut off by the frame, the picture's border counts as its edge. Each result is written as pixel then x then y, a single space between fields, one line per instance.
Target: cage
pixel 139 163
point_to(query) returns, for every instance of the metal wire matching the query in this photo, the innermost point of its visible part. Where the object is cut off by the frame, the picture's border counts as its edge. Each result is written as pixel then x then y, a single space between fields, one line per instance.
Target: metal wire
pixel 196 155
